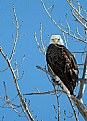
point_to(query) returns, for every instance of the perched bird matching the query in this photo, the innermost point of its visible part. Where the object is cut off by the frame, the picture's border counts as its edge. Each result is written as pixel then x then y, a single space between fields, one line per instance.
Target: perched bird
pixel 62 62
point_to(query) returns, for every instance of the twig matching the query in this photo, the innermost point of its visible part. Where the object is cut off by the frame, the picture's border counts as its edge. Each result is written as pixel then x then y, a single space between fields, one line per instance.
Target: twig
pixel 66 32
pixel 58 115
pixel 17 28
pixel 17 87
pixel 17 67
pixel 24 111
pixel 72 116
pixel 79 33
pixel 4 70
pixel 10 101
pixel 80 107
pixel 43 69
pixel 74 111
pixel 7 101
pixel 78 20
pixel 76 11
pixel 41 46
pixel 42 93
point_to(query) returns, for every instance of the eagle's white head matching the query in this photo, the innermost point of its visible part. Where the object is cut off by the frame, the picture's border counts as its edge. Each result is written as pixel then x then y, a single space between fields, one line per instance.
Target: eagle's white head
pixel 56 39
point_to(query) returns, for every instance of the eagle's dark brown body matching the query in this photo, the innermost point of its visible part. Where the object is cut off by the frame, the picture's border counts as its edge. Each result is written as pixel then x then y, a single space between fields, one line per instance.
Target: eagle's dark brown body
pixel 63 64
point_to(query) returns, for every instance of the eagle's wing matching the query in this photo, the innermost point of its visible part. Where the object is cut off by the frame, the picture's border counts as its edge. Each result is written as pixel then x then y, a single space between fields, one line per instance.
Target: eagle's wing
pixel 72 64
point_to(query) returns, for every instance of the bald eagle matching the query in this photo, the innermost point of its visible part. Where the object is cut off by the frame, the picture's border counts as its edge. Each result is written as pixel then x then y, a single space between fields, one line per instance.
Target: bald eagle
pixel 62 62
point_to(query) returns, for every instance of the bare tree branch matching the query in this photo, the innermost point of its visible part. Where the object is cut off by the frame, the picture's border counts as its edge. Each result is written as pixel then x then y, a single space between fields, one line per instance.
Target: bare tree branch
pixel 76 11
pixel 17 87
pixel 73 108
pixel 41 46
pixel 69 32
pixel 11 68
pixel 42 93
pixel 76 101
pixel 17 28
pixel 80 107
pixel 82 83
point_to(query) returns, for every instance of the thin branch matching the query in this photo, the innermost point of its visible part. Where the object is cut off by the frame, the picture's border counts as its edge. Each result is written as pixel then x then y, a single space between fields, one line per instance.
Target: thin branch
pixel 68 26
pixel 58 115
pixel 66 32
pixel 78 20
pixel 77 12
pixel 80 107
pixel 41 46
pixel 72 116
pixel 42 93
pixel 4 70
pixel 17 86
pixel 73 108
pixel 77 102
pixel 7 101
pixel 41 35
pixel 10 101
pixel 17 67
pixel 24 111
pixel 43 69
pixel 79 33
pixel 17 28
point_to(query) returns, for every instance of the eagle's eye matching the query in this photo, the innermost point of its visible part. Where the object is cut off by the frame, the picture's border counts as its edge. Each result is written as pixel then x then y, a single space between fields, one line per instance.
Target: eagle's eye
pixel 55 40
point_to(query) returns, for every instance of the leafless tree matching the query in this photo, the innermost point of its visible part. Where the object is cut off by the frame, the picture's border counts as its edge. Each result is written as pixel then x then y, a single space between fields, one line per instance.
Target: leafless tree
pixel 23 109
pixel 77 11
pixel 23 106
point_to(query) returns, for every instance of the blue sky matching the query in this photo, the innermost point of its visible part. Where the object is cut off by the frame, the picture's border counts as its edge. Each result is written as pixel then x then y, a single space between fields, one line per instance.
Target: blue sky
pixel 31 12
